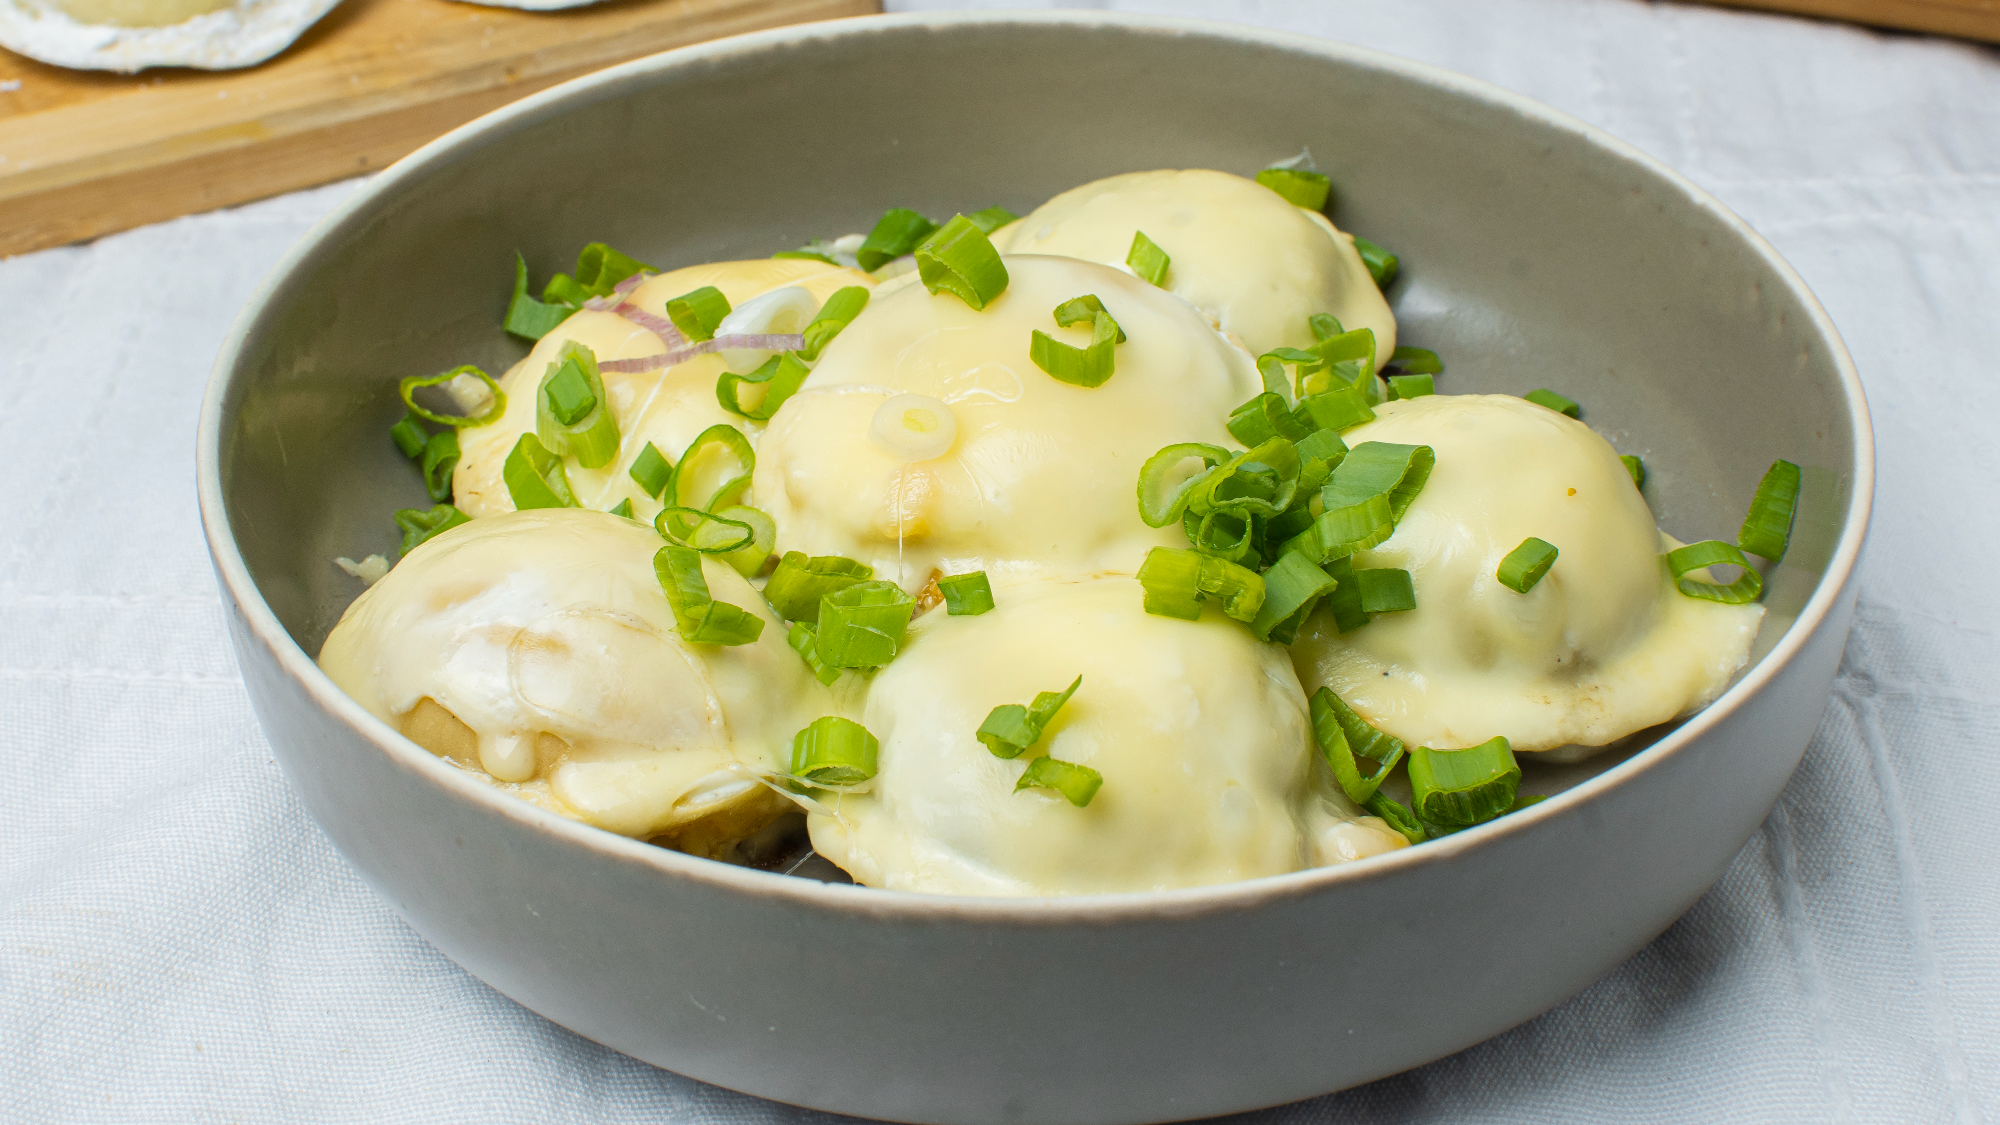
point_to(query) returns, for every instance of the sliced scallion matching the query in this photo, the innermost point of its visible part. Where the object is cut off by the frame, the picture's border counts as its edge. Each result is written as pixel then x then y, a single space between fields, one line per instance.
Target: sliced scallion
pixel 410 435
pixel 833 751
pixel 1385 590
pixel 572 411
pixel 526 317
pixel 838 312
pixel 1381 468
pixel 896 233
pixel 1340 408
pixel 699 618
pixel 1078 784
pixel 958 259
pixel 804 640
pixel 1292 586
pixel 703 531
pixel 440 457
pixel 1176 579
pixel 862 625
pixel 1396 817
pixel 1085 310
pixel 1320 452
pixel 420 526
pixel 1461 788
pixel 1362 737
pixel 1224 536
pixel 1079 367
pixel 1260 481
pixel 796 587
pixel 966 595
pixel 1325 326
pixel 1382 265
pixel 1416 361
pixel 1636 467
pixel 652 470
pixel 698 311
pixel 1526 564
pixel 1330 731
pixel 496 398
pixel 1337 533
pixel 776 380
pixel 599 268
pixel 1554 401
pixel 1299 187
pixel 1011 728
pixel 1345 359
pixel 1167 477
pixel 1410 386
pixel 990 219
pixel 623 508
pixel 713 472
pixel 1767 528
pixel 747 560
pixel 1148 261
pixel 1264 417
pixel 807 254
pixel 1344 603
pixel 535 477
pixel 1747 588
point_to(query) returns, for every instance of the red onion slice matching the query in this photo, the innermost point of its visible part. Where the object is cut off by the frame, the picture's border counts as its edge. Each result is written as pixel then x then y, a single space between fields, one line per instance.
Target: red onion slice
pixel 767 342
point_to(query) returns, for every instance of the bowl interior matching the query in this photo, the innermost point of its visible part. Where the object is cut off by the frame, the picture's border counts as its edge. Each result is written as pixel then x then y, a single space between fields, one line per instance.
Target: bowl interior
pixel 1535 254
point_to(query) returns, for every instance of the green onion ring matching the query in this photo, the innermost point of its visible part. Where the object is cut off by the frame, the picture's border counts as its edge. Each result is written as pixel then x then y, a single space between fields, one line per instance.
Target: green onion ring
pixel 1714 552
pixel 832 751
pixel 959 260
pixel 1767 527
pixel 1526 564
pixel 1461 788
pixel 698 617
pixel 1162 497
pixel 1077 784
pixel 411 383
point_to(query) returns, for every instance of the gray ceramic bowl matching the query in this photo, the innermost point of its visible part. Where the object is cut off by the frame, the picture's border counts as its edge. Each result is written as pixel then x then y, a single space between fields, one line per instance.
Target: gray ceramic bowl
pixel 1538 252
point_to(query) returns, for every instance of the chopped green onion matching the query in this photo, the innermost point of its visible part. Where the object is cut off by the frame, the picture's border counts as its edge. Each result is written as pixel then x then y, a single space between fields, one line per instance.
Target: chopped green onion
pixel 1271 370
pixel 1330 731
pixel 1299 187
pixel 1264 417
pixel 698 311
pixel 1325 326
pixel 713 472
pixel 599 268
pixel 1410 386
pixel 420 526
pixel 535 477
pixel 966 595
pixel 804 640
pixel 1362 737
pixel 1079 367
pixel 1385 590
pixel 862 625
pixel 526 317
pixel 410 384
pixel 1526 799
pixel 1348 358
pixel 1461 788
pixel 1292 587
pixel 1148 261
pixel 1714 552
pixel 573 413
pixel 749 559
pixel 1320 452
pixel 1337 533
pixel 623 508
pixel 1260 481
pixel 1166 479
pixel 1381 468
pixel 1011 728
pixel 410 436
pixel 1224 536
pixel 896 233
pixel 1085 310
pixel 1767 528
pixel 1554 401
pixel 834 751
pixel 806 253
pixel 703 531
pixel 563 289
pixel 796 587
pixel 652 470
pixel 958 259
pixel 440 457
pixel 1526 564
pixel 1397 817
pixel 1636 467
pixel 1078 784
pixel 1176 579
pixel 1344 603
pixel 699 618
pixel 1341 408
pixel 990 219
pixel 838 312
pixel 1382 265
pixel 779 377
pixel 1417 361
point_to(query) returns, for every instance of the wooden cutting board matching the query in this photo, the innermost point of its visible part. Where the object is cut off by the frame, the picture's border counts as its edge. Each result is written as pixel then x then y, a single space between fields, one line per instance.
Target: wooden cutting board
pixel 1968 19
pixel 85 153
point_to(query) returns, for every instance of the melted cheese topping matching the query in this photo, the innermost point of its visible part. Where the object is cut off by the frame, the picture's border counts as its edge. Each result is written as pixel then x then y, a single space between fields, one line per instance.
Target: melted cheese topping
pixel 1040 479
pixel 669 408
pixel 546 634
pixel 1602 646
pixel 1249 260
pixel 1200 732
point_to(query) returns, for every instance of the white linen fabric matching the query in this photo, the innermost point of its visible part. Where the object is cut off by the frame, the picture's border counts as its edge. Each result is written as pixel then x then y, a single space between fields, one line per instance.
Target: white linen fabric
pixel 178 942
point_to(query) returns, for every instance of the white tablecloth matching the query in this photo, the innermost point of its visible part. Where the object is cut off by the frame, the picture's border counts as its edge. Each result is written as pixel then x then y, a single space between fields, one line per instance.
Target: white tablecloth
pixel 178 942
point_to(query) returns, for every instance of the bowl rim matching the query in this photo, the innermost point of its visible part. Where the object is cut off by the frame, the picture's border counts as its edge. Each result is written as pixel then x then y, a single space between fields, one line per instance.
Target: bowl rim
pixel 264 627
